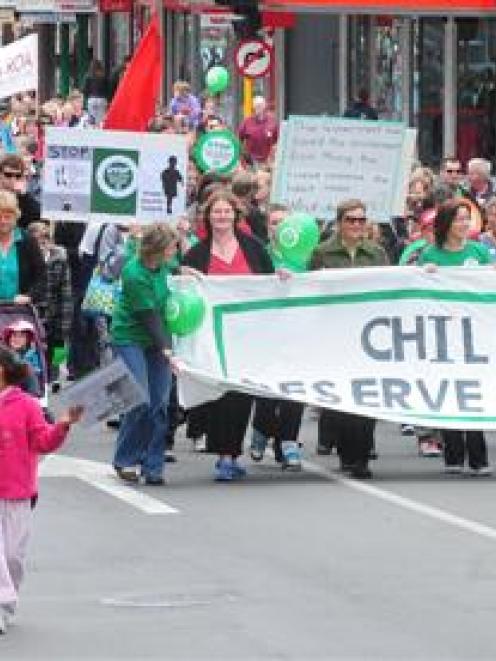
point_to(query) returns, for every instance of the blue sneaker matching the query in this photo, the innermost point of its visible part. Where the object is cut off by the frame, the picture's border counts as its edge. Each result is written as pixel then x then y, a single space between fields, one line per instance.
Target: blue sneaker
pixel 258 445
pixel 291 455
pixel 237 470
pixel 223 471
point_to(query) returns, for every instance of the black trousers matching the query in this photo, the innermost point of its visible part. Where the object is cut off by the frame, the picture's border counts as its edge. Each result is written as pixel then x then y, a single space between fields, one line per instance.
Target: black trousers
pixel 228 419
pixel 278 418
pixel 352 434
pixel 458 444
pixel 197 421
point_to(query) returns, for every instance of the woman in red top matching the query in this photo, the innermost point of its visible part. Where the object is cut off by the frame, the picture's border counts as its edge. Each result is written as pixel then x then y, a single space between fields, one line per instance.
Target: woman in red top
pixel 227 251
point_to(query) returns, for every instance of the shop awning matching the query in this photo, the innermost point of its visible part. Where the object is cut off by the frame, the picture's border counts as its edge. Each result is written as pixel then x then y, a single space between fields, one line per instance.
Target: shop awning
pixel 474 8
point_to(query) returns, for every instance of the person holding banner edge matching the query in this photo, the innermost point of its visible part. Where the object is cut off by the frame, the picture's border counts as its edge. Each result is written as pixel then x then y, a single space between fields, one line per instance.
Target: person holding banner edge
pixel 141 339
pixel 279 418
pixel 452 248
pixel 227 251
pixel 348 248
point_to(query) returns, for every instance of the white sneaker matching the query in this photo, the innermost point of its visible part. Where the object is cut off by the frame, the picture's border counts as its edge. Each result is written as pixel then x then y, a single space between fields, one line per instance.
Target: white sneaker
pixel 429 448
pixel 483 471
pixel 453 470
pixel 200 444
pixel 3 622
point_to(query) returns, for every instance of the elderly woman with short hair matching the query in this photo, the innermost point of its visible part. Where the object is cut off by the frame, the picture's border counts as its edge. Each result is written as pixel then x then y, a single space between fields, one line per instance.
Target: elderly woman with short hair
pixel 140 337
pixel 22 268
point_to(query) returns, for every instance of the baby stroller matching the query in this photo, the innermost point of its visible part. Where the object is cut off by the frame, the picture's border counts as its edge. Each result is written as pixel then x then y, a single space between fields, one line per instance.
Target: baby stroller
pixel 24 318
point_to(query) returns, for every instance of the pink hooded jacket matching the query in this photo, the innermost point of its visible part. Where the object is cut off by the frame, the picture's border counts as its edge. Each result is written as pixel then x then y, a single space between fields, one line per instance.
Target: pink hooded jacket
pixel 24 434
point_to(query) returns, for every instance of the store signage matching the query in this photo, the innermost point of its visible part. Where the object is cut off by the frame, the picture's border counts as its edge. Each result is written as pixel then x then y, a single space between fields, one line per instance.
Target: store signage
pixel 253 58
pixel 7 15
pixel 53 6
pixel 33 18
pixel 446 7
pixel 108 6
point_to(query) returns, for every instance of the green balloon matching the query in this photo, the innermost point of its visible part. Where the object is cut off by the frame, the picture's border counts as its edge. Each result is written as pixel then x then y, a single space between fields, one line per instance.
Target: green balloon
pixel 218 79
pixel 59 356
pixel 297 237
pixel 185 311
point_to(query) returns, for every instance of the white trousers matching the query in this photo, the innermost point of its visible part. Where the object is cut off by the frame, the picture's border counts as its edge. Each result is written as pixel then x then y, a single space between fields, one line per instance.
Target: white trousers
pixel 15 524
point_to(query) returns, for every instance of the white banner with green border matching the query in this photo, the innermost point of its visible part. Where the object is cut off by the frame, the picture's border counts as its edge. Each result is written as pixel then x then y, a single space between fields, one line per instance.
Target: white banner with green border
pixel 113 176
pixel 393 343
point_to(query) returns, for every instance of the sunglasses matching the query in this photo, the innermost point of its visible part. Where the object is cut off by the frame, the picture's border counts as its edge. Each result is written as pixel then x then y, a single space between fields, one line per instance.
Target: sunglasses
pixel 454 171
pixel 355 220
pixel 12 175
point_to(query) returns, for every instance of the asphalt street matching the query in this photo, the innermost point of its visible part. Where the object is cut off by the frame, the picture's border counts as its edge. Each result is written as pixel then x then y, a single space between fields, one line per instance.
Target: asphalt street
pixel 279 566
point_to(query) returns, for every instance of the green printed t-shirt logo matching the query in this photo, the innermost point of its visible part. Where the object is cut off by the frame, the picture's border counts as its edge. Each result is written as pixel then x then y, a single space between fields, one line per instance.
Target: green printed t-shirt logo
pixel 114 182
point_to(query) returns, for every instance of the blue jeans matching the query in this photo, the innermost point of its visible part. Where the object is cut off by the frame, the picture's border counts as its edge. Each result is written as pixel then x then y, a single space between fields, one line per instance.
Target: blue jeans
pixel 142 433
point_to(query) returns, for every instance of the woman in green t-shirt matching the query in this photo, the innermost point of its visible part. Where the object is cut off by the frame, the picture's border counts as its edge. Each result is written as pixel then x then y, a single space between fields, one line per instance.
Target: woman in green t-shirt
pixel 453 248
pixel 140 338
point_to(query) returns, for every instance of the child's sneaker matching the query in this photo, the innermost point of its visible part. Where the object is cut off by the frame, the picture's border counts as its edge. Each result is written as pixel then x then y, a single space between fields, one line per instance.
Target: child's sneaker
pixel 223 471
pixel 258 445
pixel 237 470
pixel 291 455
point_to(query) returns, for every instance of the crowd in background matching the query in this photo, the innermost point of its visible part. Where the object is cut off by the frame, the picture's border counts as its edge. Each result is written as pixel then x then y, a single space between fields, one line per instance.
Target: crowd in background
pixel 228 228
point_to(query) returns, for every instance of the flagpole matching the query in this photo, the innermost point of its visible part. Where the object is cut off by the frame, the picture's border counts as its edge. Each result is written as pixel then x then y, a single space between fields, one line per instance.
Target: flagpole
pixel 159 9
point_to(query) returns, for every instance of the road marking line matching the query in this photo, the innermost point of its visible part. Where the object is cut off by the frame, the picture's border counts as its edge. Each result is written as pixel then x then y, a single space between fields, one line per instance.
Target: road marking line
pixel 406 503
pixel 100 476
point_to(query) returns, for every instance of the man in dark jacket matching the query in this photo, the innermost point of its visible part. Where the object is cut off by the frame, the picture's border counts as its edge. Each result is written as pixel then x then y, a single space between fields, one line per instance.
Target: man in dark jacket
pixel 13 177
pixel 361 108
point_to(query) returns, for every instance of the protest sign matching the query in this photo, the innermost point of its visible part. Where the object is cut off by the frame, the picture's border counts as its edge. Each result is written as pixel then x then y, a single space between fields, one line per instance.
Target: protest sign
pixel 106 393
pixel 321 161
pixel 113 176
pixel 393 343
pixel 19 66
pixel 217 151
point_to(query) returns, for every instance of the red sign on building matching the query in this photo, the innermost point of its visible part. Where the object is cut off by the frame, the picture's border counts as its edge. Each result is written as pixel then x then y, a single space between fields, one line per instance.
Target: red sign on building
pixel 446 7
pixel 108 6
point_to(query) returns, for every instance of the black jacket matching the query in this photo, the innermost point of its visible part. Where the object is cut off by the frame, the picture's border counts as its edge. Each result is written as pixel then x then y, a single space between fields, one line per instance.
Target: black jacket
pixel 32 270
pixel 30 210
pixel 198 257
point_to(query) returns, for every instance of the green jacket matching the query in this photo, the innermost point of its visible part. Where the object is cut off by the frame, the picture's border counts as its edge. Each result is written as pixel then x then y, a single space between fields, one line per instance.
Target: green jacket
pixel 332 254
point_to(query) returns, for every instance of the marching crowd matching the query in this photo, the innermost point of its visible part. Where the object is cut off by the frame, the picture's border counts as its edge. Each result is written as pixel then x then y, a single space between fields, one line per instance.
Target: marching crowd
pixel 228 229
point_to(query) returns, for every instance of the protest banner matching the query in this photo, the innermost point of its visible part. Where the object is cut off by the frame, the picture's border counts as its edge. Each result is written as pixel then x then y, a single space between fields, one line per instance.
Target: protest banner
pixel 394 343
pixel 321 161
pixel 113 176
pixel 19 66
pixel 105 393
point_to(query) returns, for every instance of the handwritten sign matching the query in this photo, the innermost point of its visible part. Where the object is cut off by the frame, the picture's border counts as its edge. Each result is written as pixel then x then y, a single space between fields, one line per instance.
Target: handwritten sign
pixel 321 161
pixel 19 66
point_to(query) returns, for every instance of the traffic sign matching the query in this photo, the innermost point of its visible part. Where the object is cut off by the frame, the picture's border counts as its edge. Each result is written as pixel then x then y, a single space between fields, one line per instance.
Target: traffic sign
pixel 253 58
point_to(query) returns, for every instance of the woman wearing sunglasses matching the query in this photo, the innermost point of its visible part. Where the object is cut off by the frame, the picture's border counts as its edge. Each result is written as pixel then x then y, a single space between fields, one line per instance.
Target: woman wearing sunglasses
pixel 348 248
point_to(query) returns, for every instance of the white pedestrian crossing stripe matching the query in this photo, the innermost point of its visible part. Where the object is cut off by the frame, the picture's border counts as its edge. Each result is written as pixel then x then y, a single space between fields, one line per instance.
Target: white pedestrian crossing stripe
pixel 101 476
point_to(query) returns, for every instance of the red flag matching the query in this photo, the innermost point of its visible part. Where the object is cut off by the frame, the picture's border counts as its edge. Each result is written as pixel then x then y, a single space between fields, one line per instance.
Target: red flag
pixel 135 100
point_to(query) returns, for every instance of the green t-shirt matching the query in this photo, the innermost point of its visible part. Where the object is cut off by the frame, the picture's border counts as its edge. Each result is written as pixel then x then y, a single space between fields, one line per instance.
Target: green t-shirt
pixel 9 269
pixel 280 263
pixel 142 289
pixel 471 254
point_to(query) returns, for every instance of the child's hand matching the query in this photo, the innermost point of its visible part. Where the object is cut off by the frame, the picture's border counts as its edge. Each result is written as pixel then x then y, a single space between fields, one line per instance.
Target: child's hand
pixel 72 415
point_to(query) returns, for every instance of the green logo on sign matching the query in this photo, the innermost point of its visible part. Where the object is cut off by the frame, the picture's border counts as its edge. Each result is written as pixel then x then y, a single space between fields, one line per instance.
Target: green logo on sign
pixel 217 151
pixel 115 181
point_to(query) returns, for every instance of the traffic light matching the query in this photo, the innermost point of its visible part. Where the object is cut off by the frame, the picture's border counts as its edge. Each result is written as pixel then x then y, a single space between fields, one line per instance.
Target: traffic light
pixel 250 20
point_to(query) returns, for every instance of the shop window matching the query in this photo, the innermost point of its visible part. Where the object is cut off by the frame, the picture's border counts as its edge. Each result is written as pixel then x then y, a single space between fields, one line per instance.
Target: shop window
pixel 476 88
pixel 428 87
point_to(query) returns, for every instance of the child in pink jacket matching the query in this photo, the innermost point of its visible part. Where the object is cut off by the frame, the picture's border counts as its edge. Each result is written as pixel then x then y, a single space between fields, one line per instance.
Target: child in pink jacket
pixel 24 434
